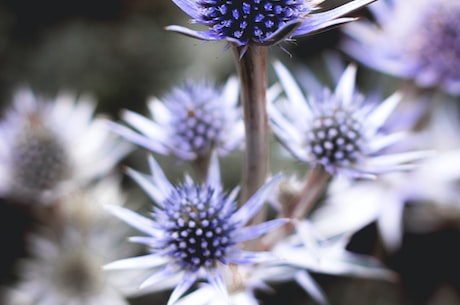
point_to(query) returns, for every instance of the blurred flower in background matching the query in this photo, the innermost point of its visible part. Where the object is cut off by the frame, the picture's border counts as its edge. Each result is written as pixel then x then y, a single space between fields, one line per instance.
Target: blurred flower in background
pixel 49 148
pixel 413 39
pixel 64 261
pixel 308 251
pixel 189 122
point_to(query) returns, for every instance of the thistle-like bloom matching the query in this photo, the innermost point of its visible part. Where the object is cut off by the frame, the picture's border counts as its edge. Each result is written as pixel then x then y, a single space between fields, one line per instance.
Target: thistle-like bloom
pixel 50 147
pixel 337 130
pixel 261 22
pixel 196 229
pixel 414 39
pixel 190 122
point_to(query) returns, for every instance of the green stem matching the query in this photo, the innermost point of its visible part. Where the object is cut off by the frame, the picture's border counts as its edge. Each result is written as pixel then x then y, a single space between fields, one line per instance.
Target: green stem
pixel 252 70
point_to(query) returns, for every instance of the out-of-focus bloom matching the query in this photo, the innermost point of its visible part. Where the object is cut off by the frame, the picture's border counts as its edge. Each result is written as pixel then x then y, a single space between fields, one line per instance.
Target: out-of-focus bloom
pixel 413 39
pixel 64 265
pixel 339 130
pixel 65 272
pixel 310 252
pixel 261 22
pixel 190 122
pixel 429 187
pixel 195 230
pixel 50 147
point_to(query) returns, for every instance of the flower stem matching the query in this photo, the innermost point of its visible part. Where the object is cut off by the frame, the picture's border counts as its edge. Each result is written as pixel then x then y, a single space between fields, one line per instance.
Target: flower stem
pixel 252 70
pixel 315 185
pixel 201 165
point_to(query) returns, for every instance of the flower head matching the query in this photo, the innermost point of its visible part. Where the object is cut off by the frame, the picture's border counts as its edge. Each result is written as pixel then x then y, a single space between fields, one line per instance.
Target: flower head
pixel 195 230
pixel 414 39
pixel 262 22
pixel 48 147
pixel 190 122
pixel 337 130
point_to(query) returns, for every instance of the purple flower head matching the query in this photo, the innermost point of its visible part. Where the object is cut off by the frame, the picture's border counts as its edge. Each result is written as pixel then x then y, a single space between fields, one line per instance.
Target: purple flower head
pixel 189 122
pixel 413 39
pixel 340 130
pixel 261 22
pixel 195 230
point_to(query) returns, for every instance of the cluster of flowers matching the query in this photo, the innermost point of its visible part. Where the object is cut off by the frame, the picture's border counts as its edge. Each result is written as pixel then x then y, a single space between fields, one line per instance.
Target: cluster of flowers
pixel 210 245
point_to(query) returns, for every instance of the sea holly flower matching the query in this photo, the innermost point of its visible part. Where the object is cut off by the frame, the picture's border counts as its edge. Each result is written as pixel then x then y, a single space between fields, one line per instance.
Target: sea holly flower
pixel 339 130
pixel 195 229
pixel 415 39
pixel 51 147
pixel 189 122
pixel 261 22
